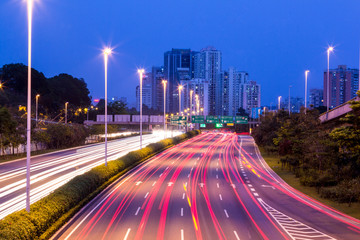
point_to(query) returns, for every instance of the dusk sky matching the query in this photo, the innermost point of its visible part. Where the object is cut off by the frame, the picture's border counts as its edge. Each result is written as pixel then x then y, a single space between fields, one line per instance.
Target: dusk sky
pixel 275 41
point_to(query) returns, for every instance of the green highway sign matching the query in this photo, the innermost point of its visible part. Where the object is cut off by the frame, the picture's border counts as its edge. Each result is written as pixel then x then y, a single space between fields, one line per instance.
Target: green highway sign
pixel 203 125
pixel 241 120
pixel 197 119
pixel 226 119
pixel 178 120
pixel 212 119
pixel 218 125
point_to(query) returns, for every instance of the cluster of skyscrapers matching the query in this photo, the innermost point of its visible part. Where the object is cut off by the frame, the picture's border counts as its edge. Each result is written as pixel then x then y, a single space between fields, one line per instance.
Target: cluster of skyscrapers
pixel 203 80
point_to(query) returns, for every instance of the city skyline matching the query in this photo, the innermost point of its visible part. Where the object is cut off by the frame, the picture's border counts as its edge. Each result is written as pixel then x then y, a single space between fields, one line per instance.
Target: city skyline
pixel 64 29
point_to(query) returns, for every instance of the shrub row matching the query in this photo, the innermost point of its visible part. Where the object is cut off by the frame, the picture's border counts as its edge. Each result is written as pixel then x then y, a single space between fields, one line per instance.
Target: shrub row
pixel 45 212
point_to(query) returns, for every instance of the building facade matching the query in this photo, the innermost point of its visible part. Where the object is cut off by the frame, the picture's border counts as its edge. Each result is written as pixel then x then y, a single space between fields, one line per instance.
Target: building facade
pixel 157 76
pixel 344 83
pixel 252 96
pixel 146 92
pixel 200 88
pixel 316 98
pixel 208 66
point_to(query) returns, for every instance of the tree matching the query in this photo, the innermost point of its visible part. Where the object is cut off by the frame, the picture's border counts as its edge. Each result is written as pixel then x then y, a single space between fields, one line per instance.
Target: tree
pixel 7 128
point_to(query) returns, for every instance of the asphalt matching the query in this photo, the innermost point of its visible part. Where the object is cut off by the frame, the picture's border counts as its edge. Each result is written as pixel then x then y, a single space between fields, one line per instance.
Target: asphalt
pixel 50 171
pixel 214 186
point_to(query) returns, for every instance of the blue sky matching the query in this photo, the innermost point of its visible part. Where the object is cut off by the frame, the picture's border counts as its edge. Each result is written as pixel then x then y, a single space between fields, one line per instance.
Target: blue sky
pixel 274 40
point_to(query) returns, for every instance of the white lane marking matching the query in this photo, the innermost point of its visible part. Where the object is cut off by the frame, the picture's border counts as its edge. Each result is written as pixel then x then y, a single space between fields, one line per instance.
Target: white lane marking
pixel 137 211
pixel 294 228
pixel 227 215
pixel 182 212
pixel 244 175
pixel 160 175
pixel 182 234
pixel 236 235
pixel 217 176
pixel 220 197
pixel 217 169
pixel 255 194
pixel 188 175
pixel 252 189
pixel 248 181
pixel 167 168
pixel 183 195
pixel 217 164
pixel 154 183
pixel 217 185
pixel 246 178
pixel 186 184
pixel 146 195
pixel 249 185
pixel 127 234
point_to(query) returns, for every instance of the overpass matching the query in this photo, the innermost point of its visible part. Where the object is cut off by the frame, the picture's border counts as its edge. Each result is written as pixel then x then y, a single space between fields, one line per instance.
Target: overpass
pixel 337 112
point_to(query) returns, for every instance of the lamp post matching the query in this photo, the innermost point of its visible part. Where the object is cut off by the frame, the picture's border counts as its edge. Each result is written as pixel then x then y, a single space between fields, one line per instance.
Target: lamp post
pixel 66 105
pixel 141 72
pixel 106 52
pixel 279 99
pixel 306 78
pixel 28 128
pixel 180 88
pixel 37 107
pixel 191 94
pixel 164 84
pixel 330 49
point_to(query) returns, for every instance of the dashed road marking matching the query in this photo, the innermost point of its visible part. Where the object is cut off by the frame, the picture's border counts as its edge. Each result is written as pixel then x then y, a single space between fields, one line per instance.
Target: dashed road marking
pixel 127 234
pixel 255 194
pixel 217 185
pixel 183 197
pixel 220 197
pixel 247 181
pixel 252 189
pixel 146 195
pixel 182 212
pixel 249 185
pixel 217 176
pixel 295 229
pixel 227 215
pixel 182 234
pixel 160 175
pixel 217 169
pixel 236 235
pixel 137 211
pixel 154 183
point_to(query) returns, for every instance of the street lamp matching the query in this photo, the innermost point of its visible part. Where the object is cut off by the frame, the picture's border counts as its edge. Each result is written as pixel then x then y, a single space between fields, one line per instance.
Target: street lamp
pixel 164 82
pixel 141 72
pixel 180 88
pixel 66 108
pixel 28 128
pixel 37 107
pixel 107 51
pixel 279 99
pixel 306 78
pixel 330 49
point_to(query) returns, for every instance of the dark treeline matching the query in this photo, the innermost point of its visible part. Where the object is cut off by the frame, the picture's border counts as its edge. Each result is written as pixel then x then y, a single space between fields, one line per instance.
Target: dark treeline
pixel 319 155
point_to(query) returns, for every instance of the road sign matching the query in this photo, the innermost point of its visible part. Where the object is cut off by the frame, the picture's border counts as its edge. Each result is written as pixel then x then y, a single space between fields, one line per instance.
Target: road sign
pixel 197 119
pixel 230 124
pixel 241 120
pixel 218 125
pixel 203 125
pixel 212 119
pixel 178 120
pixel 226 119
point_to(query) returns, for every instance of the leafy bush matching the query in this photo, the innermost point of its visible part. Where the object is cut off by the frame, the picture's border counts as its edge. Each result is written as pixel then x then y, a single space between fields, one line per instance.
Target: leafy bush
pixel 45 212
pixel 347 191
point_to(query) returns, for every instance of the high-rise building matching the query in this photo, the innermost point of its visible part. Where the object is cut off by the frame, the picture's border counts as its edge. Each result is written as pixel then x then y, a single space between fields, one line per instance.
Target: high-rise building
pixel 252 96
pixel 233 83
pixel 146 92
pixel 200 87
pixel 157 88
pixel 208 66
pixel 344 82
pixel 316 97
pixel 295 104
pixel 178 65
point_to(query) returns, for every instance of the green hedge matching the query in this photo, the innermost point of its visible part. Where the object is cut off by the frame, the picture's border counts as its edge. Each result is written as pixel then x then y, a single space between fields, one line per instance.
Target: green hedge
pixel 45 212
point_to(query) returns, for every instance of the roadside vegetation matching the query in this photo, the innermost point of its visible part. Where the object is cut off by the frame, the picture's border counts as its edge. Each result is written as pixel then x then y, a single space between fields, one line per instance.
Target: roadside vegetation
pixel 320 157
pixel 51 212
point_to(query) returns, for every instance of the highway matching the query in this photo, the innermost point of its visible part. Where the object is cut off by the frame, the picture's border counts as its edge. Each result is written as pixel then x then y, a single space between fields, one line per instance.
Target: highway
pixel 50 171
pixel 213 186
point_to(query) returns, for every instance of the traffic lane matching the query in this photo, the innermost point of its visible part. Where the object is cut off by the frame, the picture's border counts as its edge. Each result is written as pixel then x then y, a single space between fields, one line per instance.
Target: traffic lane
pixel 101 198
pixel 283 201
pixel 43 183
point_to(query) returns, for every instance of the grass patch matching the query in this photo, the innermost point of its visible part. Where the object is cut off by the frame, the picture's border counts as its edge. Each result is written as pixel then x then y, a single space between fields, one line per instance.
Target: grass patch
pixel 274 162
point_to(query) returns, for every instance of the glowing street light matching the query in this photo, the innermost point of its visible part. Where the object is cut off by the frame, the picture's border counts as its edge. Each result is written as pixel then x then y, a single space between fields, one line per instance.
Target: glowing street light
pixel 164 82
pixel 37 107
pixel 66 108
pixel 1 85
pixel 329 50
pixel 28 128
pixel 141 72
pixel 306 78
pixel 107 51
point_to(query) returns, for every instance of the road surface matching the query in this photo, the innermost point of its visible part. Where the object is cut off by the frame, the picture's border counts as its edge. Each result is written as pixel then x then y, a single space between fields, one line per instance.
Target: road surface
pixel 50 171
pixel 214 186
